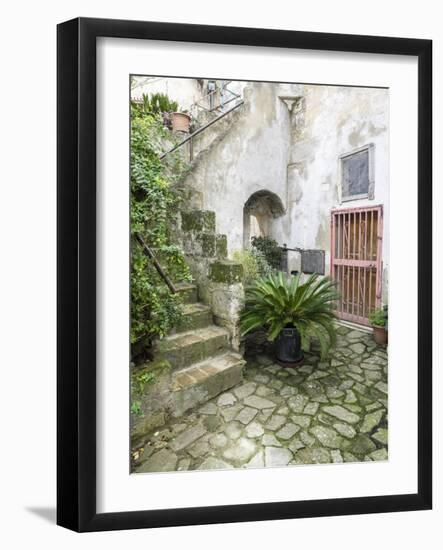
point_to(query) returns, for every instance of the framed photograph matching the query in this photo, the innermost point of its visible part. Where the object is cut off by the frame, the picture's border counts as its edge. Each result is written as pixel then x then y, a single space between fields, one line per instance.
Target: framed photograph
pixel 244 274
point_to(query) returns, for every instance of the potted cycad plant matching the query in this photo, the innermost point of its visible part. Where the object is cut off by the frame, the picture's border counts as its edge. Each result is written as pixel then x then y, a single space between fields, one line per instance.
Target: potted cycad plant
pixel 291 311
pixel 379 319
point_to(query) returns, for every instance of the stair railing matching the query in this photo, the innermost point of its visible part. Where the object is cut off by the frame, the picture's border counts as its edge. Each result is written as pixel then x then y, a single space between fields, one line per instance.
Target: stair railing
pixel 198 104
pixel 148 251
pixel 199 131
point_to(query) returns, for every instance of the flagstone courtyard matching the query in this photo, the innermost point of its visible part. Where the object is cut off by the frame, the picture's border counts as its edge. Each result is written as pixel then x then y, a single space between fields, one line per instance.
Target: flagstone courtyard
pixel 327 411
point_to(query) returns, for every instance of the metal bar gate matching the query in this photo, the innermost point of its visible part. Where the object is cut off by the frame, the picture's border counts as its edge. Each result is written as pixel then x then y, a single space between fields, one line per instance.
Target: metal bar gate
pixel 356 264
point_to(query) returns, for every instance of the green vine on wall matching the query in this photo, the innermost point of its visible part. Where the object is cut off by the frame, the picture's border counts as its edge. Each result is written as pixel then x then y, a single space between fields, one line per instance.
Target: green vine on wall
pixel 154 207
pixel 270 249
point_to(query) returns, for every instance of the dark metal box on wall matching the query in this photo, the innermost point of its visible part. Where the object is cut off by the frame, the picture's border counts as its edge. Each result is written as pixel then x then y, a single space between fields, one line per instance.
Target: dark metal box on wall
pixel 313 261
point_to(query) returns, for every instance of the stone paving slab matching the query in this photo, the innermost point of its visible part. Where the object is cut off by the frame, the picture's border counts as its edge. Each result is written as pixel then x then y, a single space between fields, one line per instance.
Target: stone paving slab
pixel 329 411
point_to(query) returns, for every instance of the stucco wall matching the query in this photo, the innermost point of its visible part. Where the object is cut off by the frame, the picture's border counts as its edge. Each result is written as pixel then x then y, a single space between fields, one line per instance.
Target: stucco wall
pixel 336 121
pixel 253 155
pixel 288 140
pixel 185 91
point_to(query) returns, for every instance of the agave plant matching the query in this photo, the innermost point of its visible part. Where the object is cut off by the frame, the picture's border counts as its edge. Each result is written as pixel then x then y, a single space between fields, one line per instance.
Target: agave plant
pixel 275 302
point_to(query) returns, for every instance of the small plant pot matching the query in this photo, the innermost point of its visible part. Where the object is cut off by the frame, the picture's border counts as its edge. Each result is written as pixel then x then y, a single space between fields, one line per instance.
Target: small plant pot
pixel 180 122
pixel 380 335
pixel 288 347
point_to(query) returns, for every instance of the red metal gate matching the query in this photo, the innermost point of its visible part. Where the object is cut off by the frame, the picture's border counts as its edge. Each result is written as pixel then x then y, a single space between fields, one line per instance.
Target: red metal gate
pixel 356 251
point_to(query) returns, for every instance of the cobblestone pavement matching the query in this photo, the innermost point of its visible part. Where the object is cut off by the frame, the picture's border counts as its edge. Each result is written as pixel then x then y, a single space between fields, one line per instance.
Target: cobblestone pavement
pixel 320 412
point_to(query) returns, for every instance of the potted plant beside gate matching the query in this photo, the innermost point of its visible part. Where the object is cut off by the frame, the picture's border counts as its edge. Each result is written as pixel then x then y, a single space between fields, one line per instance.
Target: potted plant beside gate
pixel 291 311
pixel 379 321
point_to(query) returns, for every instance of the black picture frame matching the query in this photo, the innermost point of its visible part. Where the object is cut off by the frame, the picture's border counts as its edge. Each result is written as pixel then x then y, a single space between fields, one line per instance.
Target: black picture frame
pixel 76 265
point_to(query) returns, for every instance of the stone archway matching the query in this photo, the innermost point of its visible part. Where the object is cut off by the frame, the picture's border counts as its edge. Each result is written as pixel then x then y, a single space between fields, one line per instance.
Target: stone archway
pixel 259 212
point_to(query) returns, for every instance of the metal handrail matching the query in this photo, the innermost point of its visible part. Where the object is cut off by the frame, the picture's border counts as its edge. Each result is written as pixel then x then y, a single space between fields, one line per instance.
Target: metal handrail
pixel 218 107
pixel 212 93
pixel 156 263
pixel 191 136
pixel 284 247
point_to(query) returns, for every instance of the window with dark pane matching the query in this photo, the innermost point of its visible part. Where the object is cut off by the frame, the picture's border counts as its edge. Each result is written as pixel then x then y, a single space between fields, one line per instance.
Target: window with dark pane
pixel 355 175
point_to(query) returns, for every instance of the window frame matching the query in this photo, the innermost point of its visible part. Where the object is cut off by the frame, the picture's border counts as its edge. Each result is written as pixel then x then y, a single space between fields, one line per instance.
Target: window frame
pixel 370 148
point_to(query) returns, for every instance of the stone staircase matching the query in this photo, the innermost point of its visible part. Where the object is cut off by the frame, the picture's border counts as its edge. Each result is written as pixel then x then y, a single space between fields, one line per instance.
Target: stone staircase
pixel 200 351
pixel 202 361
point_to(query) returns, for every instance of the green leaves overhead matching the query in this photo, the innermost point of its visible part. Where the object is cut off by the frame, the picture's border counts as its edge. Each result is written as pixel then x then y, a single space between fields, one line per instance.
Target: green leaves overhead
pixel 274 302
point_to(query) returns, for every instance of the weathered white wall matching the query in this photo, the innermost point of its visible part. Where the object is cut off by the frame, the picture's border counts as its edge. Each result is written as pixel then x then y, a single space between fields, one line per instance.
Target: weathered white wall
pixel 252 156
pixel 185 91
pixel 336 120
pixel 294 154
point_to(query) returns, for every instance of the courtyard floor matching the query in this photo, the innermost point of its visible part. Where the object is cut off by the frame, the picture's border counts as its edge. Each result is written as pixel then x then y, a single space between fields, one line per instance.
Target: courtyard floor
pixel 320 412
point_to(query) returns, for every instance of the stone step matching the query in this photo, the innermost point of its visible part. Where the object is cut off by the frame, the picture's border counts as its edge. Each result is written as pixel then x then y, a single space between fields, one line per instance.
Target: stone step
pixel 188 291
pixel 198 221
pixel 185 348
pixel 205 245
pixel 195 315
pixel 204 380
pixel 226 271
pixel 190 197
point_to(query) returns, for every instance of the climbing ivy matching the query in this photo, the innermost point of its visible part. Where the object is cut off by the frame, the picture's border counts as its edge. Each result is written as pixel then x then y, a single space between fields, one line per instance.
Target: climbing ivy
pixel 270 249
pixel 154 207
pixel 254 264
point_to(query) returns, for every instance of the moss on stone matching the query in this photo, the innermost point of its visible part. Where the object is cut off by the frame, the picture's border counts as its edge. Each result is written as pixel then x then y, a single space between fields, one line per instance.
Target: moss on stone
pixel 207 243
pixel 143 425
pixel 226 272
pixel 198 220
pixel 148 375
pixel 158 365
pixel 221 246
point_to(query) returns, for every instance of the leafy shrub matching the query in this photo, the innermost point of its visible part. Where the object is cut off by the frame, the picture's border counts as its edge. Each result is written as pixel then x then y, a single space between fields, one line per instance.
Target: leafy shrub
pixel 270 249
pixel 154 205
pixel 154 104
pixel 275 302
pixel 379 317
pixel 254 264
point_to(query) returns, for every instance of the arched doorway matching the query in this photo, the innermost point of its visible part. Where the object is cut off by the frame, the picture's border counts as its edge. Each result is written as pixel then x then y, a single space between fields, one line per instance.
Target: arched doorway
pixel 259 212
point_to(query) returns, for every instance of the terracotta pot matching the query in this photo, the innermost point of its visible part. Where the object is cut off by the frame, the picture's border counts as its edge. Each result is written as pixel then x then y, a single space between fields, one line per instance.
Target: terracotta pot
pixel 380 335
pixel 180 122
